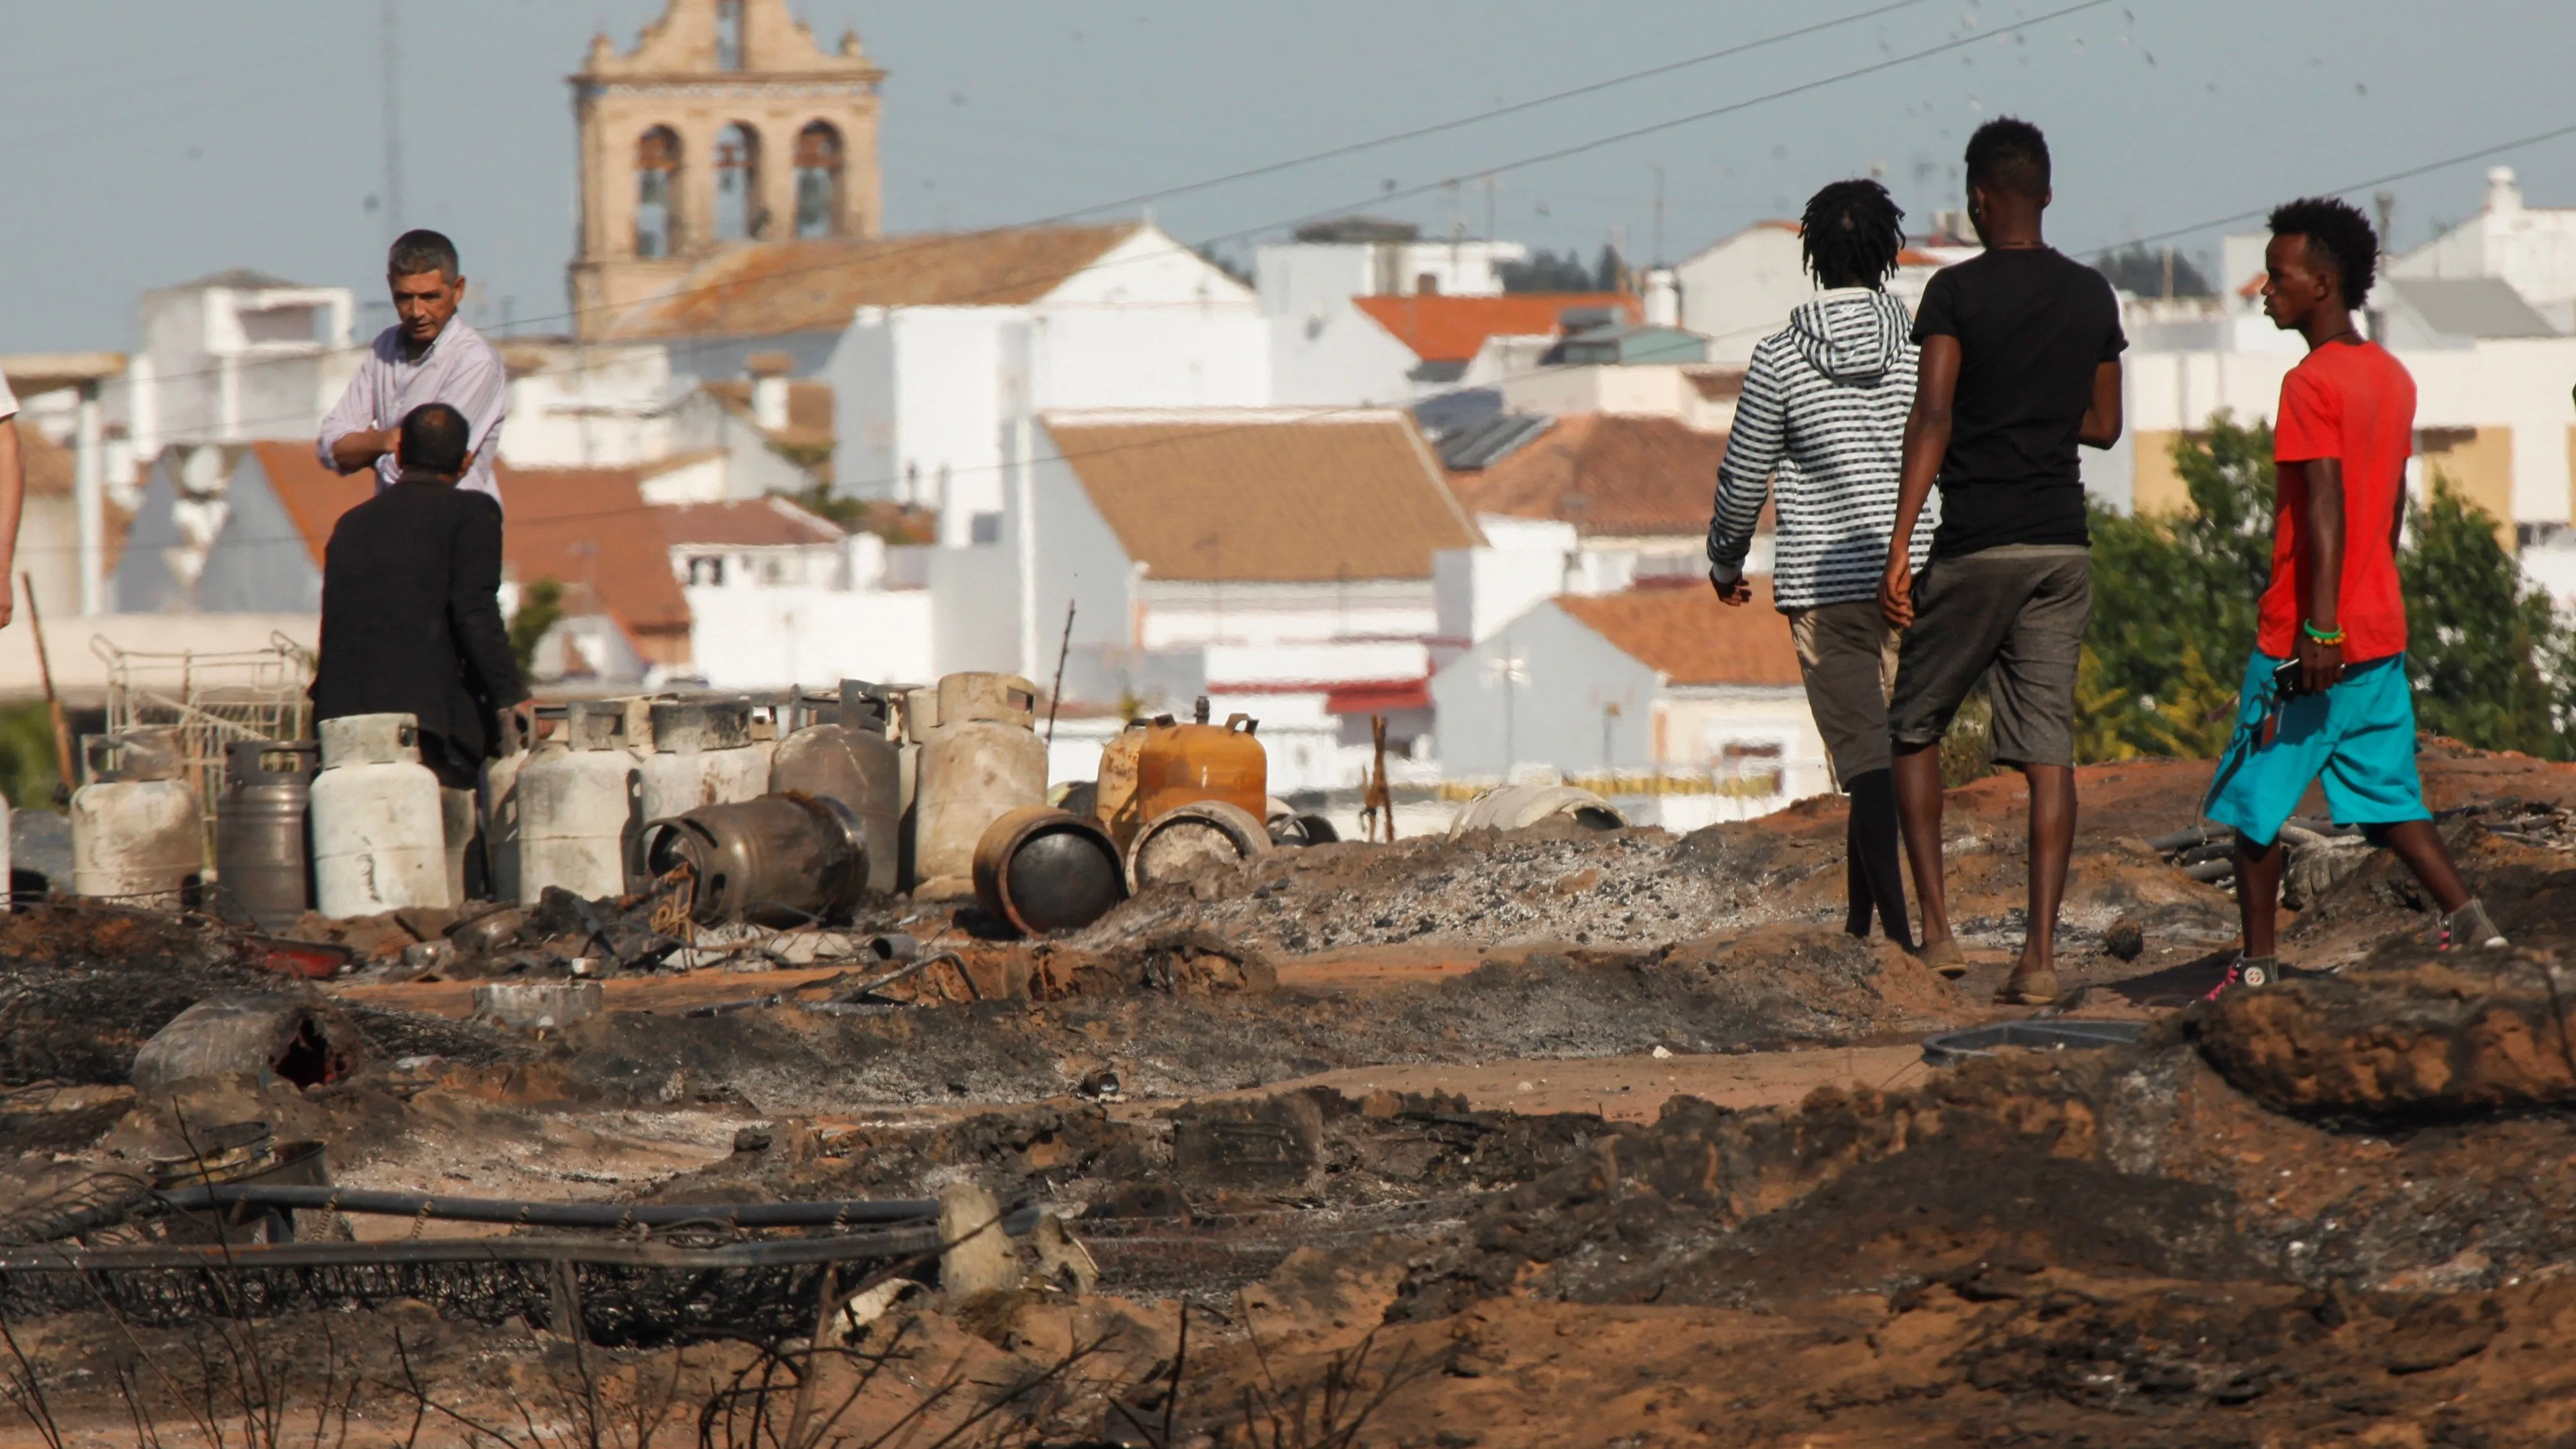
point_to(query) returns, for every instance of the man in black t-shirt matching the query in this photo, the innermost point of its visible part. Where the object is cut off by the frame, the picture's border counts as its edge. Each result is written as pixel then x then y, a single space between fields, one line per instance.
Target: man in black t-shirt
pixel 2020 363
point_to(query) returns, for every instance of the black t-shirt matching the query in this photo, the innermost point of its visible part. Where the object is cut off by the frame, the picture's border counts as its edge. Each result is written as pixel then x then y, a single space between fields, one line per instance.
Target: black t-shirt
pixel 2032 327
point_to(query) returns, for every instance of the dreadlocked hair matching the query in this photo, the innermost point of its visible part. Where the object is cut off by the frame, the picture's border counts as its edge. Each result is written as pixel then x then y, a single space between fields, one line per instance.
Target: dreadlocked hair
pixel 2337 233
pixel 1852 233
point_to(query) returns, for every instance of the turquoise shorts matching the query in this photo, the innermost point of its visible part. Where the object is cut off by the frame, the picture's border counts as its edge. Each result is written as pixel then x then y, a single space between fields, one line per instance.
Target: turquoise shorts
pixel 2358 736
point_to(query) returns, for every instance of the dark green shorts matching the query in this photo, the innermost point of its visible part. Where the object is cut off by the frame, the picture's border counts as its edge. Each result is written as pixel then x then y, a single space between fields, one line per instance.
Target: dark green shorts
pixel 2018 611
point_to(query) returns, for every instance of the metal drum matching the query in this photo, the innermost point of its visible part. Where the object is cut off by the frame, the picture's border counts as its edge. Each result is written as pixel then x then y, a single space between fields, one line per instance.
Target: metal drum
pixel 380 822
pixel 851 760
pixel 263 855
pixel 982 762
pixel 780 860
pixel 1047 870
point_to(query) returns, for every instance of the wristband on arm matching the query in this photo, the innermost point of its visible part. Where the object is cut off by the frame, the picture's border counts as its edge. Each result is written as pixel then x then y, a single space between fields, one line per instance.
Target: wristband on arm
pixel 2322 636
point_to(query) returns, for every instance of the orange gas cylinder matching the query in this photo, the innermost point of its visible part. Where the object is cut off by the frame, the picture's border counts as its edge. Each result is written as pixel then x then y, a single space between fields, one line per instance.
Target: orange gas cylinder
pixel 1184 764
pixel 1113 798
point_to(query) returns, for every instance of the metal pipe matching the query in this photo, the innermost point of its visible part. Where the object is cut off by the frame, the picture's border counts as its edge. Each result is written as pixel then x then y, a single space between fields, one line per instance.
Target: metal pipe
pixel 2211 870
pixel 241 1257
pixel 828 1213
pixel 89 496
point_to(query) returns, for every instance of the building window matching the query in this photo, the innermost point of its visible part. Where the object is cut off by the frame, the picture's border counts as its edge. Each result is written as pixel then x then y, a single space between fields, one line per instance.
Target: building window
pixel 657 174
pixel 728 34
pixel 706 572
pixel 738 213
pixel 818 180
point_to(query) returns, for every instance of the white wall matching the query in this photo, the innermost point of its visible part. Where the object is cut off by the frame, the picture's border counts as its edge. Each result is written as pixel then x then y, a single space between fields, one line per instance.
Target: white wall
pixel 770 638
pixel 1742 289
pixel 202 374
pixel 1301 278
pixel 591 405
pixel 1336 355
pixel 1651 389
pixel 1553 713
pixel 1178 614
pixel 1479 590
pixel 2534 249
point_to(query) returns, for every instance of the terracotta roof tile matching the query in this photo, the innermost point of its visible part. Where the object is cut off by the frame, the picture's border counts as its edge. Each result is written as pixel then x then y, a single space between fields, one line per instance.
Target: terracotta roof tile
pixel 746 523
pixel 1685 634
pixel 1607 474
pixel 1450 329
pixel 313 496
pixel 1273 495
pixel 590 530
pixel 814 286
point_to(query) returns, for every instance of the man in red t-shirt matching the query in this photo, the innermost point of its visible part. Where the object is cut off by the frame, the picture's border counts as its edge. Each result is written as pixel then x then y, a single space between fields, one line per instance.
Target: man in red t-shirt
pixel 2325 694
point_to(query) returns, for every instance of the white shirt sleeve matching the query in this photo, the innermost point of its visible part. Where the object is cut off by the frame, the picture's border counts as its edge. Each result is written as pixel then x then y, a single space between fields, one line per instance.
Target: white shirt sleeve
pixel 355 412
pixel 8 400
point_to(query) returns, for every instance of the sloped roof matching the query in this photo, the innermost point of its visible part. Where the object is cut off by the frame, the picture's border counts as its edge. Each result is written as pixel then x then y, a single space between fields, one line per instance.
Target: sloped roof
pixel 1606 473
pixel 813 286
pixel 1441 328
pixel 746 523
pixel 2471 306
pixel 1266 494
pixel 313 496
pixel 590 530
pixel 1684 633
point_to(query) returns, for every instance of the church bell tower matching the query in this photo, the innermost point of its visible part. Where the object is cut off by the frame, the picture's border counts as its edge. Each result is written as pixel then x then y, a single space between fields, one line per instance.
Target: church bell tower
pixel 725 126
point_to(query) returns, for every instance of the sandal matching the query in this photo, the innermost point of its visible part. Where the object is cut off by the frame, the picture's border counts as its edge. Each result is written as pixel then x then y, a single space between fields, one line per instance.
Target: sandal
pixel 2028 988
pixel 2469 928
pixel 1946 959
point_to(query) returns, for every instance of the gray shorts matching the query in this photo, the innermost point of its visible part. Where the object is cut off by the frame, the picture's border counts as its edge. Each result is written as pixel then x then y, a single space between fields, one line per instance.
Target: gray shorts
pixel 2019 610
pixel 1847 655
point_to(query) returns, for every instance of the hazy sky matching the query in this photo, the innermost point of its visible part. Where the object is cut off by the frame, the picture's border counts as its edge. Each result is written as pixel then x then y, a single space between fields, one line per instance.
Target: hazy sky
pixel 144 142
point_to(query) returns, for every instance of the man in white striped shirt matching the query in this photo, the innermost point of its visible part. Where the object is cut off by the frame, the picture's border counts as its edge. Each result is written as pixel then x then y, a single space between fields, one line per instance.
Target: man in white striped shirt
pixel 1822 423
pixel 427 356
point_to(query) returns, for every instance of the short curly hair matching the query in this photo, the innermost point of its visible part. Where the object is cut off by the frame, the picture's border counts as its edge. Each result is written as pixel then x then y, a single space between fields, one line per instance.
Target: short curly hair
pixel 2009 154
pixel 1852 232
pixel 2337 233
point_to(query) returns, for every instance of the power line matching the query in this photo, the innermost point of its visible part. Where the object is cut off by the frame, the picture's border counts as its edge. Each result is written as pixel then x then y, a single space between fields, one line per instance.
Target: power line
pixel 2410 172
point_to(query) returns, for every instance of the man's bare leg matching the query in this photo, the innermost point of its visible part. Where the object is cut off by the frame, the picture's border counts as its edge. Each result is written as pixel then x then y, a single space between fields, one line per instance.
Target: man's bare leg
pixel 2258 895
pixel 2052 848
pixel 2420 845
pixel 1918 811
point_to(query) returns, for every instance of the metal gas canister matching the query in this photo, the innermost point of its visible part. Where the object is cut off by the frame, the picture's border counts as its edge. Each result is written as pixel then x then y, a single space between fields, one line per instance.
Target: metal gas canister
pixel 1191 763
pixel 263 852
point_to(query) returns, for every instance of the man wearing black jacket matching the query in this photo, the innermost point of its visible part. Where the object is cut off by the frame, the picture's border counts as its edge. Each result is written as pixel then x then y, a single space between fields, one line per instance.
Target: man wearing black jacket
pixel 410 619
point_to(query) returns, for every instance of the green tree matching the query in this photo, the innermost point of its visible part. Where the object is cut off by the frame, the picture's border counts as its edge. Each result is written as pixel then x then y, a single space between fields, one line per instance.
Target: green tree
pixel 2136 270
pixel 1545 271
pixel 540 605
pixel 2478 635
pixel 27 772
pixel 2174 600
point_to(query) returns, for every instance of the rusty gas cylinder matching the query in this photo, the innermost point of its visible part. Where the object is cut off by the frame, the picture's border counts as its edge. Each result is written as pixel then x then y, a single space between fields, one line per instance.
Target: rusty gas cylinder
pixel 1184 764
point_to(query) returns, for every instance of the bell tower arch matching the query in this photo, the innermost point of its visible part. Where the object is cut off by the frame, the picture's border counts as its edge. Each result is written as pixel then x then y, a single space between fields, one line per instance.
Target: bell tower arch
pixel 726 125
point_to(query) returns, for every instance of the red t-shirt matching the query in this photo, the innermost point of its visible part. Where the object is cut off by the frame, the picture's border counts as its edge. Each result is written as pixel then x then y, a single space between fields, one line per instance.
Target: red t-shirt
pixel 2355 403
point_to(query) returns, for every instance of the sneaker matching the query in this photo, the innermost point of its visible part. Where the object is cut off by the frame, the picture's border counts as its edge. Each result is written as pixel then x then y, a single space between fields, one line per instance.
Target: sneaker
pixel 2246 971
pixel 2469 928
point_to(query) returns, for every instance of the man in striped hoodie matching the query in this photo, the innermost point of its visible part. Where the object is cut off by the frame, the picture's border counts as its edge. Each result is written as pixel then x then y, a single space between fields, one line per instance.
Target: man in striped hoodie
pixel 1822 421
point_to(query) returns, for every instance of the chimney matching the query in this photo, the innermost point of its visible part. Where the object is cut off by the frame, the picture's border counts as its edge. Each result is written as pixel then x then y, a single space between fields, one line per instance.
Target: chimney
pixel 769 388
pixel 2503 197
pixel 1663 298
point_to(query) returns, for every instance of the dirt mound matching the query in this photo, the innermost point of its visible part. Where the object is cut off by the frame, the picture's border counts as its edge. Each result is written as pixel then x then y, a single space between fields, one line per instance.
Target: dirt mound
pixel 2470 1032
pixel 1781 984
pixel 2138 1162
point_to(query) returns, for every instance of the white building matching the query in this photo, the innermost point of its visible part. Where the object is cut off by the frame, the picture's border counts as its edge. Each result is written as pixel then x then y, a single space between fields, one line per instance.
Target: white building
pixel 1742 288
pixel 1678 708
pixel 233 357
pixel 1278 560
pixel 779 596
pixel 1378 350
pixel 2531 247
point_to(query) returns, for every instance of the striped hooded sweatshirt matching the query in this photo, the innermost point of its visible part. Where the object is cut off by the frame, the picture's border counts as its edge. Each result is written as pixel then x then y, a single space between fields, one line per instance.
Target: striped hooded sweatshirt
pixel 1822 418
